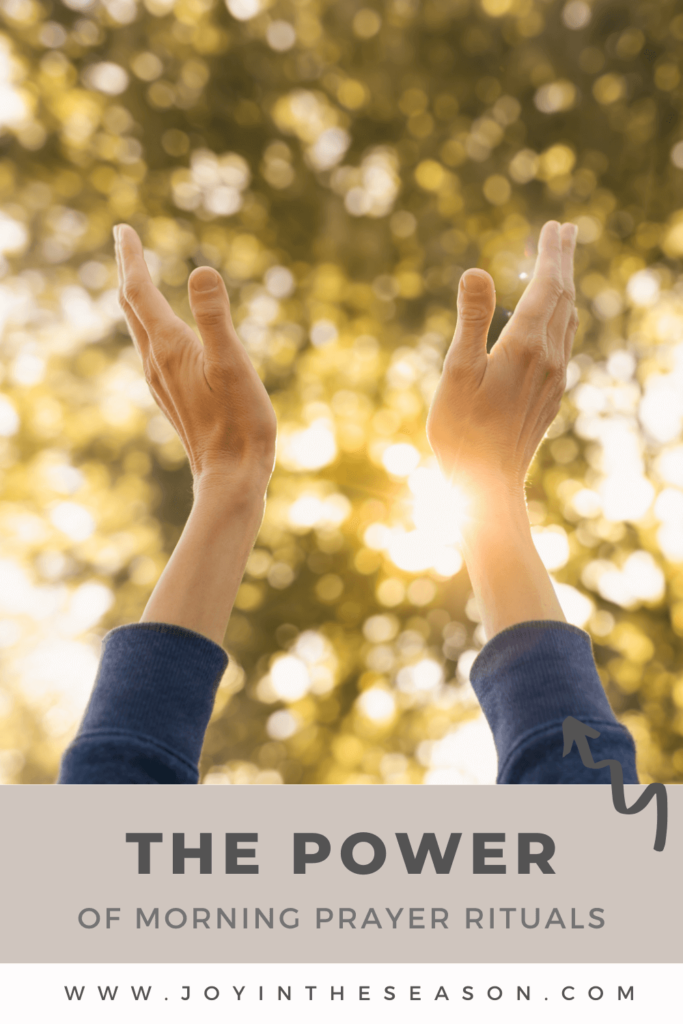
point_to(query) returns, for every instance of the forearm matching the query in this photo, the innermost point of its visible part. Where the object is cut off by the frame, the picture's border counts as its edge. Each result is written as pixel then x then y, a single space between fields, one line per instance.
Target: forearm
pixel 531 677
pixel 510 582
pixel 197 589
pixel 157 680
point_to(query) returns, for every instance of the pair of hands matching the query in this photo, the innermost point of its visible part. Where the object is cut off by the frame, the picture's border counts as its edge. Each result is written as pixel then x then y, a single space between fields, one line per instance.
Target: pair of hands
pixel 488 416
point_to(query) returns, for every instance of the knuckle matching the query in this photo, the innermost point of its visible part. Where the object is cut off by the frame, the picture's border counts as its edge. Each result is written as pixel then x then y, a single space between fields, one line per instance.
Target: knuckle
pixel 212 314
pixel 535 348
pixel 163 359
pixel 151 376
pixel 557 372
pixel 550 289
pixel 568 294
pixel 474 311
pixel 556 378
pixel 556 288
pixel 221 373
pixel 462 370
pixel 131 291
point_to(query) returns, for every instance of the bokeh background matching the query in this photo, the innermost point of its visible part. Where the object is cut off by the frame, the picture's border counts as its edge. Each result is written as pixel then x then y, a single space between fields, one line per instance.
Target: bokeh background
pixel 341 162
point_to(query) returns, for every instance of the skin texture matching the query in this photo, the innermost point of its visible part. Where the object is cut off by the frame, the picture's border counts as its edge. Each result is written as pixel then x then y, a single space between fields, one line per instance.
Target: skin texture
pixel 216 401
pixel 488 417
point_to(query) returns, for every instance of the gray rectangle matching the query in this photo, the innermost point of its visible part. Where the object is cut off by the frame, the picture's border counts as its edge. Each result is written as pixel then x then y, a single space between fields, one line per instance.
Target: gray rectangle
pixel 64 849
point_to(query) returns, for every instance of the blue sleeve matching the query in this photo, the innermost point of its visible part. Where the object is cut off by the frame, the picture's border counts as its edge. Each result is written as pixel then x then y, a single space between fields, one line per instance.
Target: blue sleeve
pixel 149 709
pixel 528 679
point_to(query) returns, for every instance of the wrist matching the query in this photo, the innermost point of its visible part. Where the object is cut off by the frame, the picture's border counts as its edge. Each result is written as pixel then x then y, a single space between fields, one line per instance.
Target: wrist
pixel 509 579
pixel 223 510
pixel 493 509
pixel 244 487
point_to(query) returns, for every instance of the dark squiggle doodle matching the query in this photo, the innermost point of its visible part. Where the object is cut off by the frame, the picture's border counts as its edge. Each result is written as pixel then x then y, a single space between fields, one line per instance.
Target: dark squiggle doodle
pixel 576 732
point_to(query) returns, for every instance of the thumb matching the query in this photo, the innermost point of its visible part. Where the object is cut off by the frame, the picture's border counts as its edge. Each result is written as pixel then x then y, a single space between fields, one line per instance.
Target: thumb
pixel 210 307
pixel 476 306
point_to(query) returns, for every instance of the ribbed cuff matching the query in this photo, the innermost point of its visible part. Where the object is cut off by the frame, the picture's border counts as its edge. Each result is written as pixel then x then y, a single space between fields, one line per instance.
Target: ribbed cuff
pixel 157 681
pixel 534 674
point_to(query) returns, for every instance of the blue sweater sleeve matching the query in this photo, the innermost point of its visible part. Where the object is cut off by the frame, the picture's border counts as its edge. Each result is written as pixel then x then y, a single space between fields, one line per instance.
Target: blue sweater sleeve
pixel 149 709
pixel 528 678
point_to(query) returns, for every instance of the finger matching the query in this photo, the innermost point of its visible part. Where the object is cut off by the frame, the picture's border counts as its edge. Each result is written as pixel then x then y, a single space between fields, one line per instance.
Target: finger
pixel 210 307
pixel 154 379
pixel 568 235
pixel 141 342
pixel 160 393
pixel 476 306
pixel 557 328
pixel 549 264
pixel 543 293
pixel 570 334
pixel 168 408
pixel 149 305
pixel 135 328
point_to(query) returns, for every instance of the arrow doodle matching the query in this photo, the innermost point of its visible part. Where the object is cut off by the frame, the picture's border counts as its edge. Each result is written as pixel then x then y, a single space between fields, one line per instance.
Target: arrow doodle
pixel 576 732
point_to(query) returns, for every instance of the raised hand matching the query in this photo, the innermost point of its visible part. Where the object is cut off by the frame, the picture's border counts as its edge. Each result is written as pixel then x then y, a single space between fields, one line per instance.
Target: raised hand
pixel 214 398
pixel 490 412
pixel 210 393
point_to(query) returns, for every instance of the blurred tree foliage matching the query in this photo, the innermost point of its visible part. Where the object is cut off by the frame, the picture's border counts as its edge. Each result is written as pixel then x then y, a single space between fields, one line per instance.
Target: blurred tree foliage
pixel 341 162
